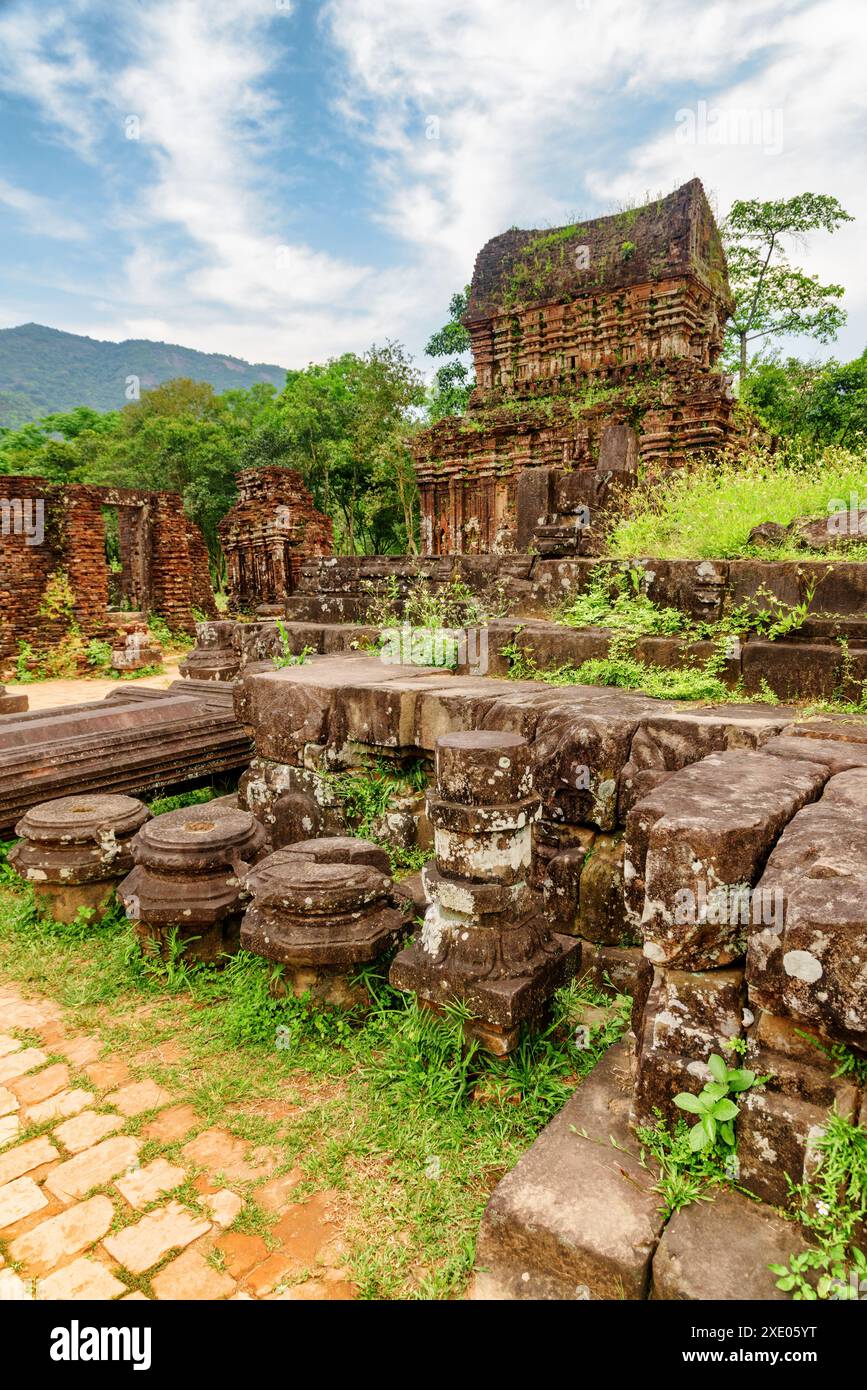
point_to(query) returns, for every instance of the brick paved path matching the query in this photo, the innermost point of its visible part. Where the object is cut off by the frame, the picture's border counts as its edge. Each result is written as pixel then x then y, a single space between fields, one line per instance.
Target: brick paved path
pixel 81 1217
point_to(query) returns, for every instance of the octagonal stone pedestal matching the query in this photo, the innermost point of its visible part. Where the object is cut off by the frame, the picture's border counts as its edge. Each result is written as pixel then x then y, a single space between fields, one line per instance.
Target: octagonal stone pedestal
pixel 214 657
pixel 320 915
pixel 188 876
pixel 483 941
pixel 75 850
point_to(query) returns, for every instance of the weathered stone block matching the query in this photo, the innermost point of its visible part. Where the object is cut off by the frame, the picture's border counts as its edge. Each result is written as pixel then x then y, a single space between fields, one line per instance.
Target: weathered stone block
pixel 722 1250
pixel 601 909
pixel 686 1017
pixel 567 1222
pixel 810 961
pixel 696 846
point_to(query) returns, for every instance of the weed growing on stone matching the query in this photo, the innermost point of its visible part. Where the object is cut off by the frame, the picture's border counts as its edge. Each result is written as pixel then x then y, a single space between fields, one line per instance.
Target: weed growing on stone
pixel 286 656
pixel 367 794
pixel 831 1206
pixel 715 1110
pixel 694 1160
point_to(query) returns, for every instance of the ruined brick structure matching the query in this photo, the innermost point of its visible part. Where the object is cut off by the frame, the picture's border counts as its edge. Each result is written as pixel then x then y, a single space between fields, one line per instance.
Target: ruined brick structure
pixel 270 530
pixel 615 321
pixel 59 573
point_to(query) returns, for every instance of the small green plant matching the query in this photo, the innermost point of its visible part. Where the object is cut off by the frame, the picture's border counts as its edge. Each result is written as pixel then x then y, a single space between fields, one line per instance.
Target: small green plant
pixel 684 1175
pixel 98 656
pixel 714 1106
pixel 831 1206
pixel 847 1062
pixel 286 656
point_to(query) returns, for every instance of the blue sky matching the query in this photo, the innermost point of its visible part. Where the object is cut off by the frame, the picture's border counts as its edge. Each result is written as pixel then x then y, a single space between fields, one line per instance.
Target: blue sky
pixel 286 180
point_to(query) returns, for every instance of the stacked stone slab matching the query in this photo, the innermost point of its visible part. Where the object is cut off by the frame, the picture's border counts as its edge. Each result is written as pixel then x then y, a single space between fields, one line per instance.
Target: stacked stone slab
pixel 134 741
pixel 321 909
pixel 11 701
pixel 73 851
pixel 214 657
pixel 484 941
pixel 187 883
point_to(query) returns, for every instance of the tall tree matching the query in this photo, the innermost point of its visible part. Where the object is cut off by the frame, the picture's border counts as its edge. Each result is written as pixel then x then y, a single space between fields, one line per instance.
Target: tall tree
pixel 453 383
pixel 774 298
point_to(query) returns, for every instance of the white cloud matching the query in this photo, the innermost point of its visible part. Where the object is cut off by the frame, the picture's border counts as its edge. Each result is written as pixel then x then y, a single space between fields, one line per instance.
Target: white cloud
pixel 545 112
pixel 40 214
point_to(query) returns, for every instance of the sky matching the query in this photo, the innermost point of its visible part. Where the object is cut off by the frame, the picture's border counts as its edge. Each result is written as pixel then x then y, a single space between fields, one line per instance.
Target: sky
pixel 286 180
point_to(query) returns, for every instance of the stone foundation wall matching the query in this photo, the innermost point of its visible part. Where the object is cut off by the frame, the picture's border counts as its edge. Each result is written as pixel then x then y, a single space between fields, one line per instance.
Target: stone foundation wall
pixel 708 859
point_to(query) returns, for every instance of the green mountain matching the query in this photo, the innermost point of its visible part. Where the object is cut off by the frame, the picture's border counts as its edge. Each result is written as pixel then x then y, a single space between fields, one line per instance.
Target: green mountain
pixel 43 370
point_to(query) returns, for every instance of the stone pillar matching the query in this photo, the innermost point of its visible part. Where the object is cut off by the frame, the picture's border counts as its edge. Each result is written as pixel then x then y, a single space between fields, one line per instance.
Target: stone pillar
pixel 189 868
pixel 214 657
pixel 321 909
pixel 76 849
pixel 484 942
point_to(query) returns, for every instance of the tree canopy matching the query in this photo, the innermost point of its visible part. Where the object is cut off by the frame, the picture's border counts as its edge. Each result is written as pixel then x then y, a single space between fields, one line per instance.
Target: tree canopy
pixel 774 298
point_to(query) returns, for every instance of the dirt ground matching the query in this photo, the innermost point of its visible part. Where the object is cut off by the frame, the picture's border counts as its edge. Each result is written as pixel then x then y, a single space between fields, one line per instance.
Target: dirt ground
pixel 53 694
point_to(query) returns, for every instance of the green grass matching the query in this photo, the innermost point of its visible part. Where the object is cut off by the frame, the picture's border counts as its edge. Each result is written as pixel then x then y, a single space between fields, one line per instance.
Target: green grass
pixel 709 511
pixel 410 1128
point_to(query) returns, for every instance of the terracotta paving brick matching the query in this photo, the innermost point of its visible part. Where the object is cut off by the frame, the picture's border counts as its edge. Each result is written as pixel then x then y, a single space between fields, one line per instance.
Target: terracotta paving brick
pixel 9 1129
pixel 93 1167
pixel 25 1158
pixel 86 1129
pixel 67 1234
pixel 80 1051
pixel 171 1125
pixel 242 1252
pixel 18 1199
pixel 304 1229
pixel 318 1290
pixel 83 1279
pixel 8 1045
pixel 141 1246
pixel 223 1206
pixel 30 1090
pixel 112 1072
pixel 8 1101
pixel 275 1196
pixel 276 1270
pixel 146 1184
pixel 218 1151
pixel 59 1107
pixel 17 1063
pixel 137 1097
pixel 18 1013
pixel 13 1289
pixel 190 1276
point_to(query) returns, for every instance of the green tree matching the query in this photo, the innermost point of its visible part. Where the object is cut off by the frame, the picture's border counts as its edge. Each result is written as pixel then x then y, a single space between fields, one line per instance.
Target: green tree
pixel 774 298
pixel 453 383
pixel 824 402
pixel 346 424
